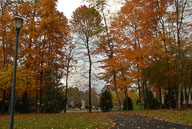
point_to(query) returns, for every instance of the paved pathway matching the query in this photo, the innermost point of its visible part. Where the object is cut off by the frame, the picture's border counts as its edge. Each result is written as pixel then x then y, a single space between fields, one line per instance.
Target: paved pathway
pixel 132 121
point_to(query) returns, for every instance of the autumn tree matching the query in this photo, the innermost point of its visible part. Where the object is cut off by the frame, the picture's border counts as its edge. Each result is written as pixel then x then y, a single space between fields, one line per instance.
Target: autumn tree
pixel 45 35
pixel 6 43
pixel 169 49
pixel 69 50
pixel 106 46
pixel 133 32
pixel 86 24
pixel 75 93
pixel 179 19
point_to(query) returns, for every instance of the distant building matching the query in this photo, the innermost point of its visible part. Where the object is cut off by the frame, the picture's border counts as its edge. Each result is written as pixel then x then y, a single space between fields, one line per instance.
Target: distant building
pixel 70 101
pixel 82 94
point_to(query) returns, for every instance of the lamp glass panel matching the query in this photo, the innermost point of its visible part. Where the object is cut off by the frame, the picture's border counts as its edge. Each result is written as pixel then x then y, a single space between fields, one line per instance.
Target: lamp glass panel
pixel 18 22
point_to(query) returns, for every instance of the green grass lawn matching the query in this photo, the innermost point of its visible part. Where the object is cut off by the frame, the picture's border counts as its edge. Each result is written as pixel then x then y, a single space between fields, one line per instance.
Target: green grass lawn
pixel 57 121
pixel 175 116
pixel 137 107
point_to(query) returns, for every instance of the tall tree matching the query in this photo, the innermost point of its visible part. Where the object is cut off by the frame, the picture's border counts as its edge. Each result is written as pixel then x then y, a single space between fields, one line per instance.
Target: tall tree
pixel 45 36
pixel 69 60
pixel 106 46
pixel 86 23
pixel 6 42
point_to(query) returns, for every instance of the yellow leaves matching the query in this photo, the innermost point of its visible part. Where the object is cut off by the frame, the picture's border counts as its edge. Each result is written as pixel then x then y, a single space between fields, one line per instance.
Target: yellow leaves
pixel 134 96
pixel 44 36
pixel 6 78
pixel 24 79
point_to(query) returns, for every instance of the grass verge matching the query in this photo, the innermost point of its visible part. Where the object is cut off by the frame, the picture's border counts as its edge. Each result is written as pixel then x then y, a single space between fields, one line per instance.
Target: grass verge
pixel 57 121
pixel 174 116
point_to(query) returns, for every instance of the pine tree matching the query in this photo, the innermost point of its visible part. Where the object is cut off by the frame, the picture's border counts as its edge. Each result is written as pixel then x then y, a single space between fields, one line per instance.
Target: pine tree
pixel 106 101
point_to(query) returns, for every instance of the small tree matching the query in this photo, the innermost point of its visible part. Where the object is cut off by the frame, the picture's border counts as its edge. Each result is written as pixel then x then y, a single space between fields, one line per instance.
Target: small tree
pixel 152 101
pixel 53 101
pixel 172 102
pixel 127 104
pixel 106 101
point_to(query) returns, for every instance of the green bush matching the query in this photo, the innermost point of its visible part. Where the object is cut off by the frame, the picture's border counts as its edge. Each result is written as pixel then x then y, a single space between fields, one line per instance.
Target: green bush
pixel 152 101
pixel 53 101
pixel 172 100
pixel 127 104
pixel 106 101
pixel 24 104
pixel 138 102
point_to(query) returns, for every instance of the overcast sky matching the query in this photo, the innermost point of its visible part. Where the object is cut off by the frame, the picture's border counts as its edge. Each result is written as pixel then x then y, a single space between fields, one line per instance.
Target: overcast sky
pixel 68 6
pixel 76 77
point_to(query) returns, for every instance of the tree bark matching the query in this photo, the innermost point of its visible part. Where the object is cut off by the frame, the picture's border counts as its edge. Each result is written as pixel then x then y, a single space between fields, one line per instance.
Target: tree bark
pixel 126 97
pixel 187 96
pixel 147 95
pixel 25 102
pixel 169 96
pixel 176 96
pixel 116 91
pixel 139 87
pixel 90 68
pixel 3 103
pixel 160 98
pixel 144 95
pixel 36 99
pixel 179 97
pixel 41 89
pixel 66 81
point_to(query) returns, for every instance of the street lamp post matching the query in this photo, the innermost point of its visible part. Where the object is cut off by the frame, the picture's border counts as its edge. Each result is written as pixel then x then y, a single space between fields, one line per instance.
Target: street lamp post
pixel 18 23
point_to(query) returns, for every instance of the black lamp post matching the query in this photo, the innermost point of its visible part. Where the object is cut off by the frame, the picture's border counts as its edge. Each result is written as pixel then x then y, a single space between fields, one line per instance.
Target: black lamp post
pixel 18 23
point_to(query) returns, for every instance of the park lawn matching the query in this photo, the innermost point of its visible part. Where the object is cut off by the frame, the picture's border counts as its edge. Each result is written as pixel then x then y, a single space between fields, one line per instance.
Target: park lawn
pixel 176 116
pixel 58 121
pixel 137 107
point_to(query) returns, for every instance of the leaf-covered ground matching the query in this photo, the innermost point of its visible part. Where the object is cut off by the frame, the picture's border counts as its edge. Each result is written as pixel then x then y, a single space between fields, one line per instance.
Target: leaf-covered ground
pixel 58 121
pixel 127 120
pixel 175 116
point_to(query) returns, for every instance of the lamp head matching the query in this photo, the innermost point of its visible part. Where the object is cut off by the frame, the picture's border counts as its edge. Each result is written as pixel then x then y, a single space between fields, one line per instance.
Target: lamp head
pixel 18 22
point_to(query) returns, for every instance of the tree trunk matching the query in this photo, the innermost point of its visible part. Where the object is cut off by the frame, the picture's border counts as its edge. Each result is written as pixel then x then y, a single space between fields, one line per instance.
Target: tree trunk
pixel 9 102
pixel 179 94
pixel 169 95
pixel 126 97
pixel 144 95
pixel 25 102
pixel 147 95
pixel 36 103
pixel 190 96
pixel 160 98
pixel 187 96
pixel 116 92
pixel 66 91
pixel 176 96
pixel 179 22
pixel 41 91
pixel 90 68
pixel 139 87
pixel 90 104
pixel 169 98
pixel 3 103
pixel 40 97
pixel 179 97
